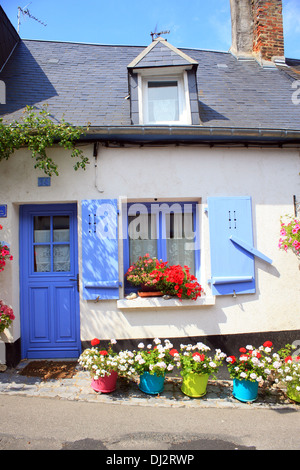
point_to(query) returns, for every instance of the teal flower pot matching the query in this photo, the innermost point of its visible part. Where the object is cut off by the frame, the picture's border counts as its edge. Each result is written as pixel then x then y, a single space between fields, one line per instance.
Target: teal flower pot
pixel 245 390
pixel 151 384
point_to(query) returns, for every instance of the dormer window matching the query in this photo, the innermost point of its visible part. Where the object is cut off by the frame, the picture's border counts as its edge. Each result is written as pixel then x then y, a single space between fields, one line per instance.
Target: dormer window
pixel 163 86
pixel 164 100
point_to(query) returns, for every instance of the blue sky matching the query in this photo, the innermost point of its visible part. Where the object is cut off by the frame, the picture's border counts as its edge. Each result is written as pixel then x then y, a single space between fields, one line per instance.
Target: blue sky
pixel 199 24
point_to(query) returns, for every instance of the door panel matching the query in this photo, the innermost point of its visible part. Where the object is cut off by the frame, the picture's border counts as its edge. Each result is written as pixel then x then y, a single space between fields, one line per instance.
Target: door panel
pixel 49 269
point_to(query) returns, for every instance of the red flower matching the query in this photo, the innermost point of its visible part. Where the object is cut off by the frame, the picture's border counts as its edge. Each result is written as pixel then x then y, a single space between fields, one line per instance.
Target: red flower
pixel 95 341
pixel 288 358
pixel 202 356
pixel 267 344
pixel 243 350
pixel 231 359
pixel 173 351
pixel 103 353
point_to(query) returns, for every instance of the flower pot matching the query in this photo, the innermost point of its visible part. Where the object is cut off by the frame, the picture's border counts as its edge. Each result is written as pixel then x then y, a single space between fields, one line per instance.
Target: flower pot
pixel 151 383
pixel 245 390
pixel 194 385
pixel 150 294
pixel 292 393
pixel 105 384
pixel 148 291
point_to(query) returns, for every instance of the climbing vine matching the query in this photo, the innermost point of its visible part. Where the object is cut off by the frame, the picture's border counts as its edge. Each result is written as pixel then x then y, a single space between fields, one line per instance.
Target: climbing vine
pixel 38 132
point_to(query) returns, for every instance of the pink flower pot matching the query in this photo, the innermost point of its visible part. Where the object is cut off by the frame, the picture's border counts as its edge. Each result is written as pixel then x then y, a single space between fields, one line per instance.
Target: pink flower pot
pixel 105 384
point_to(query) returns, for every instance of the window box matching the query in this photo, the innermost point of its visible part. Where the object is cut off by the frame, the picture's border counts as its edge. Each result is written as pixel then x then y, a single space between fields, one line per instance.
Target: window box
pixel 161 303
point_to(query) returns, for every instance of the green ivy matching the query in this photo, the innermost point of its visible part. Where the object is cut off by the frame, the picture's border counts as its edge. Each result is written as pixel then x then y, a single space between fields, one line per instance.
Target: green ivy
pixel 38 132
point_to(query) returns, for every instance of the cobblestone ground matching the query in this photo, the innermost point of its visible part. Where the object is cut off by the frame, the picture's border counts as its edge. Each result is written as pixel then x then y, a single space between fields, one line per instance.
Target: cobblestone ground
pixel 219 392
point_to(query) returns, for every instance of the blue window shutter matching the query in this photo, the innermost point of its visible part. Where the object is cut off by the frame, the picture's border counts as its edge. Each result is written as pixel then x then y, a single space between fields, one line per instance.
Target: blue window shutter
pixel 231 245
pixel 100 272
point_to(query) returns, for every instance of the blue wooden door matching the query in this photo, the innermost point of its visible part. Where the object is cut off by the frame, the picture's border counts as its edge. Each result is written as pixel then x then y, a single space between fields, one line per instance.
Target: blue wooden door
pixel 49 281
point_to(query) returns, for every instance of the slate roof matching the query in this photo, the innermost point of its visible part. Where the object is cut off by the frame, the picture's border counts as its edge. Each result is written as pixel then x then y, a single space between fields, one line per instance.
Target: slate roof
pixel 89 83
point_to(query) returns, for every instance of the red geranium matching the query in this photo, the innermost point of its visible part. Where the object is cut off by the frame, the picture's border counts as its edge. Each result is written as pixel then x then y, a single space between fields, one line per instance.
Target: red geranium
pixel 201 356
pixel 231 359
pixel 95 341
pixel 103 352
pixel 267 344
pixel 173 352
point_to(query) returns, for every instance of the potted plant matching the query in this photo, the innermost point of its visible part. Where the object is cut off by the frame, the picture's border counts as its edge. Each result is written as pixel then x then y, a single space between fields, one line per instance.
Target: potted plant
pixel 250 368
pixel 196 365
pixel 103 365
pixel 4 254
pixel 177 280
pixel 6 316
pixel 152 364
pixel 290 235
pixel 140 274
pixel 289 372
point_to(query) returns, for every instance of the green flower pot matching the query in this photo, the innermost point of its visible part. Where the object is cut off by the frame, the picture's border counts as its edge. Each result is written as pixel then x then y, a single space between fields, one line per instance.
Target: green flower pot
pixel 292 393
pixel 194 385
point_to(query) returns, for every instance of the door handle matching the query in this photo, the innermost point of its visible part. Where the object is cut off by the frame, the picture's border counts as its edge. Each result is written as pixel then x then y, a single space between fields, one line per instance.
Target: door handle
pixel 77 280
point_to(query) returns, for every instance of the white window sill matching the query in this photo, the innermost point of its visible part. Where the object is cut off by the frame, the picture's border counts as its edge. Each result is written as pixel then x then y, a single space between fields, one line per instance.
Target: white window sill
pixel 160 303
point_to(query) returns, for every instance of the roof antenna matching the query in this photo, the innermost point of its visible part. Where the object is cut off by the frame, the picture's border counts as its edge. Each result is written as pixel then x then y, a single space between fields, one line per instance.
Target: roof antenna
pixel 155 35
pixel 24 12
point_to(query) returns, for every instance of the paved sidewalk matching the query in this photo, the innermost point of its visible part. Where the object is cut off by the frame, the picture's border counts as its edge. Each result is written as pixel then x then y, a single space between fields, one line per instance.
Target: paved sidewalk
pixel 219 393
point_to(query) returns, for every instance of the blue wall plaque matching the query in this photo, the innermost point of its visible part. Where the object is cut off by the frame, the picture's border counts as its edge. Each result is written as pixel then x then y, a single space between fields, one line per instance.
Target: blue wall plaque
pixel 3 210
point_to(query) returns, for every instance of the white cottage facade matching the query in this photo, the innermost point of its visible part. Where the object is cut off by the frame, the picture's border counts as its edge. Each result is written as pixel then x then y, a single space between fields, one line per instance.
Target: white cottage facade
pixel 73 236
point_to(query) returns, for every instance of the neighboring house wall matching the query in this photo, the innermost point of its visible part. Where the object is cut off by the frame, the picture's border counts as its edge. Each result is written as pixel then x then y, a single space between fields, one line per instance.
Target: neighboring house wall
pixel 269 176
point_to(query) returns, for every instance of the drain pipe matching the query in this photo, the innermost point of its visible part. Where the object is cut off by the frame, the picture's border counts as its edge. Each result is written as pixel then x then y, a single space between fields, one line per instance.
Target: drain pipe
pixel 95 155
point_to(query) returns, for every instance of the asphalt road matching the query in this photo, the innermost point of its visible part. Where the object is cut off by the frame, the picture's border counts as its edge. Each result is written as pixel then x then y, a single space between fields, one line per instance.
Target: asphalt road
pixel 31 423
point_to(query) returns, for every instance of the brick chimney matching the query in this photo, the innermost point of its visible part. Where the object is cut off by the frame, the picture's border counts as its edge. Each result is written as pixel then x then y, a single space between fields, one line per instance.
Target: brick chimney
pixel 257 29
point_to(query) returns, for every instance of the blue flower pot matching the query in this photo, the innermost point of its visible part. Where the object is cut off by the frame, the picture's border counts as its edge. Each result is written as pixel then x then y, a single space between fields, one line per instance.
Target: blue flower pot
pixel 245 390
pixel 151 384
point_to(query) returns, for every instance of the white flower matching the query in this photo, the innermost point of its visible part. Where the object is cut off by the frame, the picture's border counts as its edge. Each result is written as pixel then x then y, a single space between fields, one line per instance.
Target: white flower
pixel 276 364
pixel 141 361
pixel 141 345
pixel 149 346
pixel 113 341
pixel 253 376
pixel 157 341
pixel 170 367
pixel 243 375
pixel 250 347
pixel 212 364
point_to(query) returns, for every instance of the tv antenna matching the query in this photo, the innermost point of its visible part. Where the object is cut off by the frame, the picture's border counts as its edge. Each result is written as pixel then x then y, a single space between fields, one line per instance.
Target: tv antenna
pixel 156 34
pixel 25 12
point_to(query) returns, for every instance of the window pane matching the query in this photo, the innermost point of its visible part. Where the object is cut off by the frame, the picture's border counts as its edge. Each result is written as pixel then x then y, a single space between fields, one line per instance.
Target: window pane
pixel 61 228
pixel 142 236
pixel 163 102
pixel 179 235
pixel 61 258
pixel 41 229
pixel 42 258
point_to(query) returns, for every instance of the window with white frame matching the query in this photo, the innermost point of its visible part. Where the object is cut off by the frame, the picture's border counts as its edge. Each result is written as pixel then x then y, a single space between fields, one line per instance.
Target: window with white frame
pixel 166 230
pixel 164 99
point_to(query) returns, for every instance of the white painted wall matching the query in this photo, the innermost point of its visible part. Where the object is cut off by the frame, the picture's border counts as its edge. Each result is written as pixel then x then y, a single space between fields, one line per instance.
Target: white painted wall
pixel 269 176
